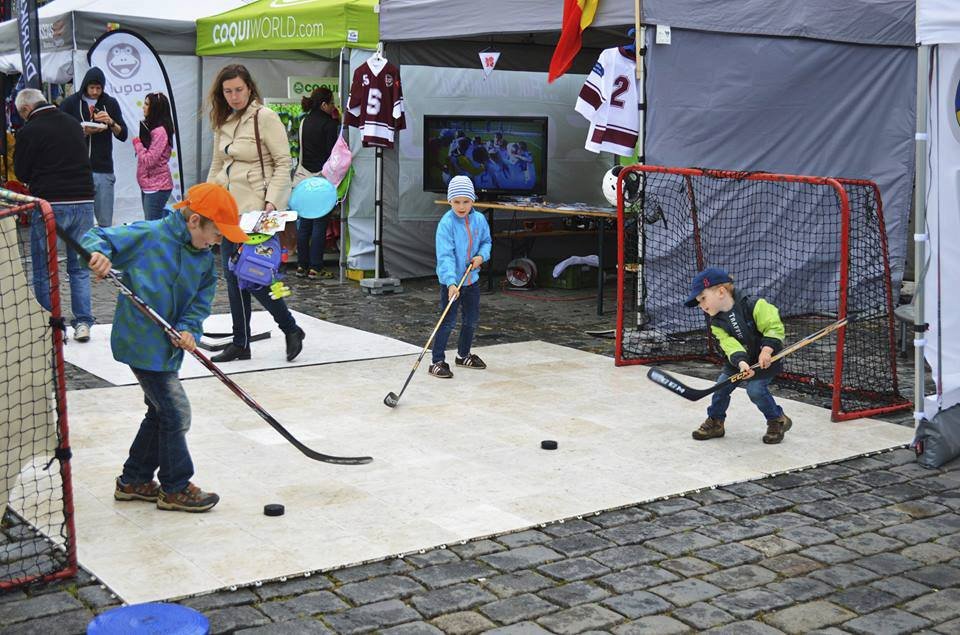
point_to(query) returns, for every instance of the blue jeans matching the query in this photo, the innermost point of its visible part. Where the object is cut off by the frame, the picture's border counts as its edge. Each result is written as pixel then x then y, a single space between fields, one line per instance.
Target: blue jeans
pixel 311 239
pixel 103 197
pixel 161 443
pixel 240 308
pixel 757 389
pixel 153 204
pixel 75 219
pixel 469 304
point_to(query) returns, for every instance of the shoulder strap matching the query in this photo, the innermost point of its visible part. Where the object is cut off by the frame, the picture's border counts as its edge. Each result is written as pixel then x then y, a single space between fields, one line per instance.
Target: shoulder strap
pixel 256 135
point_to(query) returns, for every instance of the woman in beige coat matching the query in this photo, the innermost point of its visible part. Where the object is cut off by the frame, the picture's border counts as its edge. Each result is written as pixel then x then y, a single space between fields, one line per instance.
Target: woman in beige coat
pixel 251 158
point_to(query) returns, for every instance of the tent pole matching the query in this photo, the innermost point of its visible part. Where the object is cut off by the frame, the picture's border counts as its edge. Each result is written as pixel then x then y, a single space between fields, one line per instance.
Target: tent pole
pixel 378 212
pixel 921 147
pixel 199 141
pixel 341 82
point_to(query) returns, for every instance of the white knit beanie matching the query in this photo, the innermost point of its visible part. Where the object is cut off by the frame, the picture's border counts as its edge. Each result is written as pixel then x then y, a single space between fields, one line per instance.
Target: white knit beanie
pixel 461 186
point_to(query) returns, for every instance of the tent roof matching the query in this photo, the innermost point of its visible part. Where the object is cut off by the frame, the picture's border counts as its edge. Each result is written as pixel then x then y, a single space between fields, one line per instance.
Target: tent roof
pixel 938 22
pixel 882 22
pixel 318 27
pixel 170 29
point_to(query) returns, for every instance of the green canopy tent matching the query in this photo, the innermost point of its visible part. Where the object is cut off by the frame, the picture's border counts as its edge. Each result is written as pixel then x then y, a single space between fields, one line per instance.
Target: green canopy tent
pixel 295 30
pixel 302 28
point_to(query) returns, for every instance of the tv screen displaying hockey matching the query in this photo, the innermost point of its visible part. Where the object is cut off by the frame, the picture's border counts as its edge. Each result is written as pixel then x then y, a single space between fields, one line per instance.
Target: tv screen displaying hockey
pixel 502 155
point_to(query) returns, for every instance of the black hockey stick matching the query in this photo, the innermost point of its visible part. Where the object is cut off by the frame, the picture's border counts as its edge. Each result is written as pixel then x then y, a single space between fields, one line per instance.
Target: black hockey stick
pixel 392 399
pixel 144 308
pixel 671 383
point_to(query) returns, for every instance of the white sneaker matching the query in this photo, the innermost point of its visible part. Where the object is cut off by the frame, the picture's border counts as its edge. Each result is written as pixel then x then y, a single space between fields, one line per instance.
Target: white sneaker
pixel 82 333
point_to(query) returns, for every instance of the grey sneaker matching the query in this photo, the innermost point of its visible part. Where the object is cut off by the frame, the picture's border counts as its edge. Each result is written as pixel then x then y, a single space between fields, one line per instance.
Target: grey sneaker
pixel 82 332
pixel 709 429
pixel 191 499
pixel 776 428
pixel 136 491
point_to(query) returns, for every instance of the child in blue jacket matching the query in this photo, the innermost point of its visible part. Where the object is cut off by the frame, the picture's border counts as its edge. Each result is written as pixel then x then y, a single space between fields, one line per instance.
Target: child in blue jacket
pixel 169 265
pixel 463 240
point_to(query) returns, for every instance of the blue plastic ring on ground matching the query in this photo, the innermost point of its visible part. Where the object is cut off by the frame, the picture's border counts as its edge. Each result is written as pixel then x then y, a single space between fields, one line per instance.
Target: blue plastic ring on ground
pixel 153 617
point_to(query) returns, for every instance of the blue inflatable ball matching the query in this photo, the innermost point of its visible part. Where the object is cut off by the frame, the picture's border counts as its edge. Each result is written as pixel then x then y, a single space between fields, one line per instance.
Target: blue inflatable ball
pixel 313 197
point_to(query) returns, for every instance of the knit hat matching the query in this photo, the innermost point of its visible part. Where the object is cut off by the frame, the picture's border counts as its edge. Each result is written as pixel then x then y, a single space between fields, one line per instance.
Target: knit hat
pixel 461 186
pixel 216 203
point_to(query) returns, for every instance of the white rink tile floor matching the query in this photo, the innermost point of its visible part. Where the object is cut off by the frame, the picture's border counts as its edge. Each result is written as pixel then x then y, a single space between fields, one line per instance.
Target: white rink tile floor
pixel 325 343
pixel 457 459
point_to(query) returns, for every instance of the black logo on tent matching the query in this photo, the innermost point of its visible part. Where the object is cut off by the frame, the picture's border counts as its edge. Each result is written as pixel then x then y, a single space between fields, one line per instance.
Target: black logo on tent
pixel 123 60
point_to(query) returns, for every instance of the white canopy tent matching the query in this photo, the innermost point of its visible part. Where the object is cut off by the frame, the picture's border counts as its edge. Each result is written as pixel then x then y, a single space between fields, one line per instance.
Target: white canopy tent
pixel 774 85
pixel 67 30
pixel 938 225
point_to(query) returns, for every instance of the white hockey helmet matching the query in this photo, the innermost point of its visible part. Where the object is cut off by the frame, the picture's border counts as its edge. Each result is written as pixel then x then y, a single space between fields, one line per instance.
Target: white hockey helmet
pixel 631 186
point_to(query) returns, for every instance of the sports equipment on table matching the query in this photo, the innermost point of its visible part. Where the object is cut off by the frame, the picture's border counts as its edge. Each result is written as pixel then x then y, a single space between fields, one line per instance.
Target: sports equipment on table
pixel 157 319
pixel 609 101
pixel 313 197
pixel 814 247
pixel 671 383
pixel 36 491
pixel 376 105
pixel 392 399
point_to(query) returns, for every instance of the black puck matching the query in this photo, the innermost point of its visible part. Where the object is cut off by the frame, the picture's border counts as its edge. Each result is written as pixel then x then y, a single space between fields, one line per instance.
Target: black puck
pixel 273 509
pixel 548 445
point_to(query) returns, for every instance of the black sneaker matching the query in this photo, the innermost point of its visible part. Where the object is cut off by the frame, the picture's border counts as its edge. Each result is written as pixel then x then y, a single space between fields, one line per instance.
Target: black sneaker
pixel 441 370
pixel 471 361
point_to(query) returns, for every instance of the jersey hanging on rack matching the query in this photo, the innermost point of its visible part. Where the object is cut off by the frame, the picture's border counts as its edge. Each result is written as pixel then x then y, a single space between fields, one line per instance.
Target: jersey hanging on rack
pixel 609 101
pixel 376 104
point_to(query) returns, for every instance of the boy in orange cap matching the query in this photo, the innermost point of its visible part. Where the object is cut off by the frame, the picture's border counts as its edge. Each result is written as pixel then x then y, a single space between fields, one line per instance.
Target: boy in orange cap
pixel 167 263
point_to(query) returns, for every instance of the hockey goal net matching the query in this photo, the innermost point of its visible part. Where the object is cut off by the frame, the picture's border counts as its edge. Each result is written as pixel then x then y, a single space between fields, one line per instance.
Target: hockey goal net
pixel 37 541
pixel 814 247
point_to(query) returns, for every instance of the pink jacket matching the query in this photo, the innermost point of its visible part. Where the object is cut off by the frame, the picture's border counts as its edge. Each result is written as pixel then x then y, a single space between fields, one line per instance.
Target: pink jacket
pixel 153 168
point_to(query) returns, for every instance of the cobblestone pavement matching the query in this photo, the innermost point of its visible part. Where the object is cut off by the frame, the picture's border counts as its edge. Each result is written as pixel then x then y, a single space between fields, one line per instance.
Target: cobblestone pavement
pixel 868 545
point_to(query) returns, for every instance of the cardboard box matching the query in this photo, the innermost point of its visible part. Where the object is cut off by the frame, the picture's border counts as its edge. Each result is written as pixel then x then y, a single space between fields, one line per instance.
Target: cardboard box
pixel 359 274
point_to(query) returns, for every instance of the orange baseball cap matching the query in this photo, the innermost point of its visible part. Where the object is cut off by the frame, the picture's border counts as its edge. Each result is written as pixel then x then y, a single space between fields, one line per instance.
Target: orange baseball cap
pixel 216 203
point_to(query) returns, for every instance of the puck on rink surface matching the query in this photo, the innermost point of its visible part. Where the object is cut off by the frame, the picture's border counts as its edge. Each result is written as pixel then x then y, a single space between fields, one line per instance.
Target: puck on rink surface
pixel 273 509
pixel 548 444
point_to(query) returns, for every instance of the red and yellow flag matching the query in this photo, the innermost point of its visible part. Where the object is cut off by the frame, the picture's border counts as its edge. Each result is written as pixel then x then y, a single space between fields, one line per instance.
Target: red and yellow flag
pixel 577 16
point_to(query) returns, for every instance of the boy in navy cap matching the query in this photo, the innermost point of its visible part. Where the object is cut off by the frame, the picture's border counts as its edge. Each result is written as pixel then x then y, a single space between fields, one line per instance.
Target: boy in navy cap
pixel 749 331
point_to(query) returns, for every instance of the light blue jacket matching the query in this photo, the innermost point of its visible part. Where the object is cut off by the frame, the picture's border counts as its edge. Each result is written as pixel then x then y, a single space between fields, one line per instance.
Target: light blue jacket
pixel 173 277
pixel 452 242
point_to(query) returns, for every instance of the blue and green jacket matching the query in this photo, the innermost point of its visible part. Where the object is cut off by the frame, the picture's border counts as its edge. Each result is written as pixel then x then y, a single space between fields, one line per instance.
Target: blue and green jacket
pixel 745 329
pixel 455 248
pixel 173 277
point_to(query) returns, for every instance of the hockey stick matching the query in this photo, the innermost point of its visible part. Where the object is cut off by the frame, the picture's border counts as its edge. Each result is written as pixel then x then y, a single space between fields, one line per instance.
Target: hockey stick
pixel 671 383
pixel 392 399
pixel 157 319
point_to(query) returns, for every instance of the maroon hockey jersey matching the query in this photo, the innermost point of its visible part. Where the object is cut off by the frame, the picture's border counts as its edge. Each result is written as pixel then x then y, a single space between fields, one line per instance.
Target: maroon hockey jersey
pixel 376 105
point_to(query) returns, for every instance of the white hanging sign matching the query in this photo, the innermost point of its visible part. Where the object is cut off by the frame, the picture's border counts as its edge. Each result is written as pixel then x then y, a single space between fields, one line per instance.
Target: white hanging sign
pixel 488 60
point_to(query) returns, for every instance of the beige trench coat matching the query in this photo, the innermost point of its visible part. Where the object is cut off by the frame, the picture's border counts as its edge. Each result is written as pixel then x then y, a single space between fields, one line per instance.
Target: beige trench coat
pixel 236 165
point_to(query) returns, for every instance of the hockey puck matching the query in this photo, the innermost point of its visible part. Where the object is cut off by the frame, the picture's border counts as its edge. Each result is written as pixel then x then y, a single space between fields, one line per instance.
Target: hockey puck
pixel 273 509
pixel 548 445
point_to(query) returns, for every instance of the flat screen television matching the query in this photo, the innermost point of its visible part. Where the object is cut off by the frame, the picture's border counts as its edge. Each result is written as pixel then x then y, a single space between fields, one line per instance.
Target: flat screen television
pixel 502 155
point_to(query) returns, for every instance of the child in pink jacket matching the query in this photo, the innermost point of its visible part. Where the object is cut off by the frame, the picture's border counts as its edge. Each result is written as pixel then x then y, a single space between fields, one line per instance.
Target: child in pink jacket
pixel 153 148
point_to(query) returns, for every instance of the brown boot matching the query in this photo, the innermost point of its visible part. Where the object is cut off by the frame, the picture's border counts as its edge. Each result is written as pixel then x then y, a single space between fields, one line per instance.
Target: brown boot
pixel 709 429
pixel 776 429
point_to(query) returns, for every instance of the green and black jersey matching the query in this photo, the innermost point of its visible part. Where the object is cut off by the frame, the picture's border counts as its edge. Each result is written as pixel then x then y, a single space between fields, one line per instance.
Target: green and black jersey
pixel 745 329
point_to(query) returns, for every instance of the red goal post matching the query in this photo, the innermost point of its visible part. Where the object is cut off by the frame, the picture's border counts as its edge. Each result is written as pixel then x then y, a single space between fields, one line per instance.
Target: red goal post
pixel 38 517
pixel 815 247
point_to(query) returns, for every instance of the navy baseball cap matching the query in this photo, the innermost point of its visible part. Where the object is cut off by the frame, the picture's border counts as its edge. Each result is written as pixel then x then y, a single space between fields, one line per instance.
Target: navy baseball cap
pixel 704 280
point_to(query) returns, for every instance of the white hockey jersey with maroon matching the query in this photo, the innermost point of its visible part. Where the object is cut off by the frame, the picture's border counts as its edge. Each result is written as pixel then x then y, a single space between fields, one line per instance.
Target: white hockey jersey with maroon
pixel 376 104
pixel 609 101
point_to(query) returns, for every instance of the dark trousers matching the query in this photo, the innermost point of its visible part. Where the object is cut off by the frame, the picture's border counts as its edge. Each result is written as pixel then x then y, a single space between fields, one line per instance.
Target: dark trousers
pixel 311 240
pixel 240 307
pixel 469 304
pixel 161 442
